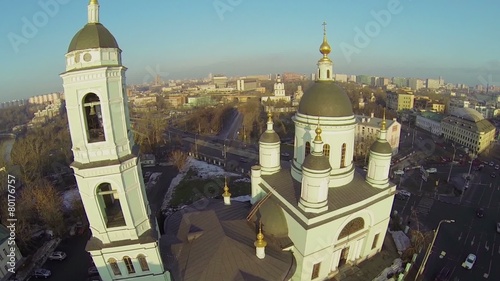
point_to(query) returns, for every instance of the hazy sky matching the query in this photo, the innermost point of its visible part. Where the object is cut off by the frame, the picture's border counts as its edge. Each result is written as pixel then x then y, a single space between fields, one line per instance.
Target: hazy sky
pixel 458 40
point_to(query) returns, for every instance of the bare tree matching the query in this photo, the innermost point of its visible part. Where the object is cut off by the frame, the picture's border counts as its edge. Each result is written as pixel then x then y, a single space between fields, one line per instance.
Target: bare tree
pixel 30 153
pixel 179 158
pixel 48 204
pixel 149 130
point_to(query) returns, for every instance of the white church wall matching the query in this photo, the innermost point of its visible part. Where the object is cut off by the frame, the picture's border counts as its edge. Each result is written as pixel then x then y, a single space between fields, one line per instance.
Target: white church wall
pixel 150 251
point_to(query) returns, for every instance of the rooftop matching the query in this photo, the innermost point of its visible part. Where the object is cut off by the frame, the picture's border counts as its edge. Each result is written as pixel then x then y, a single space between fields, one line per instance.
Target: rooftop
pixel 432 116
pixel 468 114
pixel 373 121
pixel 354 192
pixel 211 241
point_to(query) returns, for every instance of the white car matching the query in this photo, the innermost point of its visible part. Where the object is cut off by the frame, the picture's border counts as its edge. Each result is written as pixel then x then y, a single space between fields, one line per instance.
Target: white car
pixel 432 170
pixel 469 261
pixel 402 194
pixel 399 172
pixel 57 256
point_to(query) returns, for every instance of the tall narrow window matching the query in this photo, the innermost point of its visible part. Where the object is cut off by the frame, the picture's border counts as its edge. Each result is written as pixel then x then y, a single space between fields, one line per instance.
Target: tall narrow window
pixel 114 266
pixel 110 205
pixel 308 148
pixel 328 73
pixel 326 150
pixel 93 118
pixel 375 240
pixel 315 272
pixel 143 262
pixel 129 265
pixel 342 156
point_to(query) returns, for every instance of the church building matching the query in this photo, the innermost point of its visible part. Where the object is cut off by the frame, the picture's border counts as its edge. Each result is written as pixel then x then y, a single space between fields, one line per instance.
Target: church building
pixel 304 220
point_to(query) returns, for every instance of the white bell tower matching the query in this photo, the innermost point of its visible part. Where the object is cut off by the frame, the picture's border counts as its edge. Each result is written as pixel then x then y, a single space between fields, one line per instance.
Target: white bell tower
pixel 124 242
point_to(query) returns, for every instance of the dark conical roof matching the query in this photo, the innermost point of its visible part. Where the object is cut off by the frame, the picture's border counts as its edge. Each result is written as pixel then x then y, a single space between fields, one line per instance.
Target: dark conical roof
pixel 325 98
pixel 92 35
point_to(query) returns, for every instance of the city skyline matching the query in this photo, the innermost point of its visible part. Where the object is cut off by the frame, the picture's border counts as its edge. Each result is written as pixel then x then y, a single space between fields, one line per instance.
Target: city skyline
pixel 174 40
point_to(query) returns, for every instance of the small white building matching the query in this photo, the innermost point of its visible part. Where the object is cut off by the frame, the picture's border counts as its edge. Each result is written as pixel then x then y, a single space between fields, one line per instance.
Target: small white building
pixel 278 93
pixel 430 122
pixel 368 128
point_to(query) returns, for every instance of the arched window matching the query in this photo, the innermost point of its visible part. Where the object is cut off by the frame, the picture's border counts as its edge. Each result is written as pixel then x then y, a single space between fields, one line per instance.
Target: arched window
pixel 129 265
pixel 326 150
pixel 352 227
pixel 328 73
pixel 93 118
pixel 110 205
pixel 319 74
pixel 143 262
pixel 342 156
pixel 114 266
pixel 308 148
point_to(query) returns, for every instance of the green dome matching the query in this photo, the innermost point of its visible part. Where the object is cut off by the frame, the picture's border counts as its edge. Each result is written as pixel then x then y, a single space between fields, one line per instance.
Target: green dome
pixel 381 147
pixel 92 35
pixel 269 137
pixel 325 98
pixel 316 162
pixel 273 219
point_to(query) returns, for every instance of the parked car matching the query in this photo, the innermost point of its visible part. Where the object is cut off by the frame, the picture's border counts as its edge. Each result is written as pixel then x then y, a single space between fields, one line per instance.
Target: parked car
pixel 493 175
pixel 399 172
pixel 402 194
pixel 498 227
pixel 497 167
pixel 469 261
pixel 443 275
pixel 492 163
pixel 42 273
pixel 480 212
pixel 432 170
pixel 58 255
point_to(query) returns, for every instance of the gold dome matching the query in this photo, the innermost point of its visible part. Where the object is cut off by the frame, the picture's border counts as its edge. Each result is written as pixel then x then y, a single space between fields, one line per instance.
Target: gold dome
pixel 94 2
pixel 383 127
pixel 325 48
pixel 226 189
pixel 260 238
pixel 318 134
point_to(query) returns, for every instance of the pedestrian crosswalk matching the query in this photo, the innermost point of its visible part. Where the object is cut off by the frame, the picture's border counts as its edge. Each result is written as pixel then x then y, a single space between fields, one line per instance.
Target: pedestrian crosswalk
pixel 424 206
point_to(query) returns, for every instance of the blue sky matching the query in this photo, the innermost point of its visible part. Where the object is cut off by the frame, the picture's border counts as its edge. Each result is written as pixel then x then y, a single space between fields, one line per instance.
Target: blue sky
pixel 181 39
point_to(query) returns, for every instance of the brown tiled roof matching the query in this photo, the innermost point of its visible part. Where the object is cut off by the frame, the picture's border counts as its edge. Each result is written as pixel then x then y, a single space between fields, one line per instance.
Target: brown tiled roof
pixel 224 251
pixel 338 197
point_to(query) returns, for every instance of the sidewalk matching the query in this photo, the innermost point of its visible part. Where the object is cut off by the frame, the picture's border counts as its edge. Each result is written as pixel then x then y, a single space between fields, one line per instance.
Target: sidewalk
pixel 371 268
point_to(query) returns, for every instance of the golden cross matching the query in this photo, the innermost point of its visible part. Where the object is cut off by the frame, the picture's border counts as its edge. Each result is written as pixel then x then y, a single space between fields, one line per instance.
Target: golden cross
pixel 324 27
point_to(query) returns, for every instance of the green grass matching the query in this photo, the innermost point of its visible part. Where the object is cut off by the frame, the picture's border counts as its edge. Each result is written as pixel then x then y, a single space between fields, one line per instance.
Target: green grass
pixel 191 189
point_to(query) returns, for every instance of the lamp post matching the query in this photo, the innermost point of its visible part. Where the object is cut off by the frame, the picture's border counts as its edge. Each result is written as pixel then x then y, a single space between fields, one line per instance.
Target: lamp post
pixel 422 266
pixel 472 158
pixel 452 160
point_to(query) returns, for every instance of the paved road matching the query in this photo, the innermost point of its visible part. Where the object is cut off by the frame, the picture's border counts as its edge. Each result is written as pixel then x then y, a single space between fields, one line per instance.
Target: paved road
pixel 76 265
pixel 469 234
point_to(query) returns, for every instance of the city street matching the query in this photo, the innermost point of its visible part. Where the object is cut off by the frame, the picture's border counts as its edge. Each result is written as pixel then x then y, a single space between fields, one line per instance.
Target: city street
pixel 453 200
